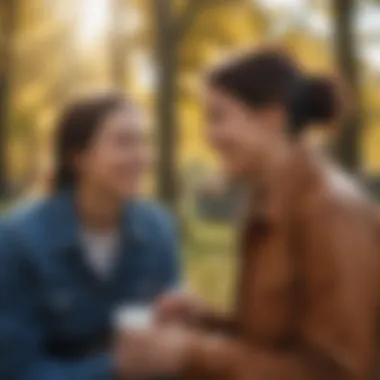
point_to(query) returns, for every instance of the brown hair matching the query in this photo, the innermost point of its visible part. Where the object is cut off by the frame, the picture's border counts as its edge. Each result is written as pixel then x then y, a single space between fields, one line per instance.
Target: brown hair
pixel 76 127
pixel 268 77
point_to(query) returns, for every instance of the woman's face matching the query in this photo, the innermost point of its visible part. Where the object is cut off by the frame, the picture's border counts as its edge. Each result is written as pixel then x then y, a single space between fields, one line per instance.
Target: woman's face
pixel 244 138
pixel 118 154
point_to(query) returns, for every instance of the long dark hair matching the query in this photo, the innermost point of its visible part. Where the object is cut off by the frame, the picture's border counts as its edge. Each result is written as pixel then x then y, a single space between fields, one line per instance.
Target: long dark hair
pixel 76 127
pixel 268 77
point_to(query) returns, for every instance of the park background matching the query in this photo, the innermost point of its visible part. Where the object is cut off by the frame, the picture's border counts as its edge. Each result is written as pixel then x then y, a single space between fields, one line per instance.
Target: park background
pixel 156 52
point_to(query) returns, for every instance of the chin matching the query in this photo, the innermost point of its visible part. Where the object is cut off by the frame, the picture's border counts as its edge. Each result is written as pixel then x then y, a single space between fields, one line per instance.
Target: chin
pixel 131 192
pixel 234 171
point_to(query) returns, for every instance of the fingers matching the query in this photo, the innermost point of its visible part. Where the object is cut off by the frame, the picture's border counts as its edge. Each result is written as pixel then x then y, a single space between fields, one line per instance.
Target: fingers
pixel 150 352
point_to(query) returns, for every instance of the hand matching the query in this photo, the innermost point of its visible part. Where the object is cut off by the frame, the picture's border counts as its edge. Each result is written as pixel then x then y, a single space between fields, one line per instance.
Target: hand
pixel 179 307
pixel 151 352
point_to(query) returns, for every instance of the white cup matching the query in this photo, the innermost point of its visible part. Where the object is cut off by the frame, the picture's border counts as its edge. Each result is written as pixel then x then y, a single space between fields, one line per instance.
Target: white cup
pixel 133 317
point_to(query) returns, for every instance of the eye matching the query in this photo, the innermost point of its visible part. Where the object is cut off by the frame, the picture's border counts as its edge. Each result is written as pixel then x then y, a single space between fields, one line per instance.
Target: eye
pixel 126 137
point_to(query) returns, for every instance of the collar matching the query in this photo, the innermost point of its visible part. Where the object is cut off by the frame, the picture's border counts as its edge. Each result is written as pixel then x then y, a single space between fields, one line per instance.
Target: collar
pixel 64 218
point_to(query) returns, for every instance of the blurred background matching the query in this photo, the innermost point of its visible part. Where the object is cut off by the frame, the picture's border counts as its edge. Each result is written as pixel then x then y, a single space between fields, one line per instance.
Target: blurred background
pixel 156 52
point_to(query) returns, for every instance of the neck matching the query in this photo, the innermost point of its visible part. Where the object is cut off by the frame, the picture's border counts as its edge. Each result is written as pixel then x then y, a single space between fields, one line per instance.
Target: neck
pixel 97 210
pixel 273 168
pixel 281 178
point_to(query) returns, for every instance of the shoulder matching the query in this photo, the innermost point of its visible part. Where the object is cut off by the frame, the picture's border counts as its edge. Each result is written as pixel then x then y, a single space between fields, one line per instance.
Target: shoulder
pixel 151 210
pixel 339 206
pixel 25 216
pixel 344 187
pixel 337 191
pixel 26 212
pixel 22 237
pixel 26 224
pixel 152 216
pixel 152 226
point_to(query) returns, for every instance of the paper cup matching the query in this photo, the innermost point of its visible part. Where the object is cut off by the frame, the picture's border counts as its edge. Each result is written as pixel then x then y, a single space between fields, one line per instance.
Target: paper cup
pixel 133 317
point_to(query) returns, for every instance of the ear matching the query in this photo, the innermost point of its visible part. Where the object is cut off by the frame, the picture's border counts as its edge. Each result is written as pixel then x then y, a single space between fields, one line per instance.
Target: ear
pixel 76 161
pixel 319 136
pixel 273 119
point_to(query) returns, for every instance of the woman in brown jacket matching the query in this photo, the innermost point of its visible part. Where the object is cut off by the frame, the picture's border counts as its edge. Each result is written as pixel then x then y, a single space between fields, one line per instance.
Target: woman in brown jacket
pixel 308 281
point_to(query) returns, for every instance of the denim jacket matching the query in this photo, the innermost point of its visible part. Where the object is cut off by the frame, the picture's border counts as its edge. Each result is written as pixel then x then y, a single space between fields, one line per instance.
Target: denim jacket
pixel 55 313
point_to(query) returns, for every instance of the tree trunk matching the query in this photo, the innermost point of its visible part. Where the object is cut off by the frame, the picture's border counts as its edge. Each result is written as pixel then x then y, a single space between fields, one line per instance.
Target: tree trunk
pixel 166 98
pixel 7 25
pixel 118 62
pixel 170 30
pixel 347 148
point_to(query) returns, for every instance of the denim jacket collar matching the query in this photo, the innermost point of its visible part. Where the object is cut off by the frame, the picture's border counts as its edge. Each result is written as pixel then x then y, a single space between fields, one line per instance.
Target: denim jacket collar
pixel 64 216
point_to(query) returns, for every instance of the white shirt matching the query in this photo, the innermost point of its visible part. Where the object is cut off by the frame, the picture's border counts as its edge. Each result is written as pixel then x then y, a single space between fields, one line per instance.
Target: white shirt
pixel 101 250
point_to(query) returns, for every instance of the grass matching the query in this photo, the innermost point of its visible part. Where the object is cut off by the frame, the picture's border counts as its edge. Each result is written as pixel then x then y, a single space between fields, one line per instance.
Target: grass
pixel 209 261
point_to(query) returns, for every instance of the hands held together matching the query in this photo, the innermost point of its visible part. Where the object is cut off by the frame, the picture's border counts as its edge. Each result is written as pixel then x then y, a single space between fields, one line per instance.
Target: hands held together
pixel 160 349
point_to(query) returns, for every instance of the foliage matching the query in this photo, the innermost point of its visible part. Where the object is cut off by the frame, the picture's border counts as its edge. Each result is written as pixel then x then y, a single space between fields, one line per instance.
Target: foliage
pixel 160 64
pixel 210 262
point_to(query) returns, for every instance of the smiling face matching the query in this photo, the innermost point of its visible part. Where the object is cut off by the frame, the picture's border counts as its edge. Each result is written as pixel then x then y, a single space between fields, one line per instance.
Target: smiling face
pixel 117 156
pixel 244 138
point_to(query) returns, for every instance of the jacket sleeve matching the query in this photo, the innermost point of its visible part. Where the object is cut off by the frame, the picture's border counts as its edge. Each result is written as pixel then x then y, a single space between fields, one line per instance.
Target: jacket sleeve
pixel 22 355
pixel 215 321
pixel 170 272
pixel 334 334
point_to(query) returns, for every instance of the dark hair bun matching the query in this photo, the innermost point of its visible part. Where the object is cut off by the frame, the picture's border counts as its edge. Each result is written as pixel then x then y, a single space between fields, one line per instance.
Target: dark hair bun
pixel 316 100
pixel 267 77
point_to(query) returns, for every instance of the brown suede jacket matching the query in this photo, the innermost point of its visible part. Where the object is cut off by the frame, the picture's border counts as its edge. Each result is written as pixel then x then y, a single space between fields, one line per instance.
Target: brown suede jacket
pixel 308 285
